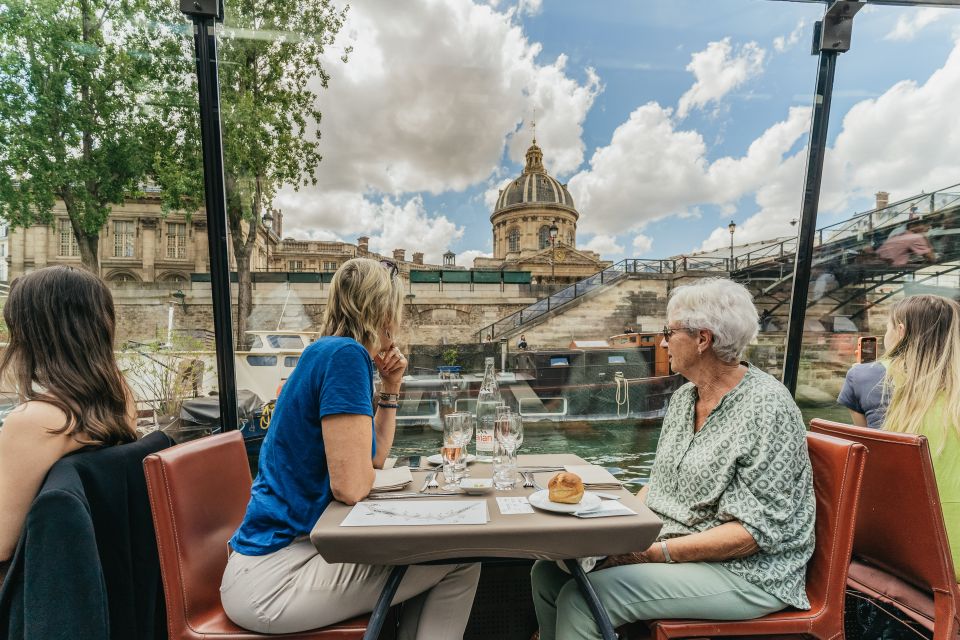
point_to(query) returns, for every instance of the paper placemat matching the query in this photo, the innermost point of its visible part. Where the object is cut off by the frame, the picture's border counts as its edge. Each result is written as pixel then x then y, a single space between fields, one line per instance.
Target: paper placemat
pixel 594 476
pixel 513 505
pixel 416 513
pixel 395 478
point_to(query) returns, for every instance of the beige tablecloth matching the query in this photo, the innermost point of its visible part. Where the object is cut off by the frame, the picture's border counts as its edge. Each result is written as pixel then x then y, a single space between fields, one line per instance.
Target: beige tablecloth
pixel 539 535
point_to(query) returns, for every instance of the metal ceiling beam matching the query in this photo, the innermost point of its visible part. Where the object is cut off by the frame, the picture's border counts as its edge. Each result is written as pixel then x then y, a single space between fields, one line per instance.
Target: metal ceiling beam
pixel 831 37
pixel 894 3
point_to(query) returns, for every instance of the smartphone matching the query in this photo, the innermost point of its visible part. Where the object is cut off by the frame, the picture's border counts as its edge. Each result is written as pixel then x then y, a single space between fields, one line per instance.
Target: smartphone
pixel 408 461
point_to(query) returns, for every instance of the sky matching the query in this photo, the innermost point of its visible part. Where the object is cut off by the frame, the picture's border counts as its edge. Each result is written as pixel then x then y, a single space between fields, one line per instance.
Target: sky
pixel 667 119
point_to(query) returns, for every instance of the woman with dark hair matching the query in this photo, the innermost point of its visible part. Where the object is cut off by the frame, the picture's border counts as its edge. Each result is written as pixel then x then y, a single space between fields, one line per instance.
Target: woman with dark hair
pixel 60 362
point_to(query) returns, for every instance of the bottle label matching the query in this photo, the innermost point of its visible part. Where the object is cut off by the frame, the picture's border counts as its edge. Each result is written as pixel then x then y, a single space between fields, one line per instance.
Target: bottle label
pixel 484 441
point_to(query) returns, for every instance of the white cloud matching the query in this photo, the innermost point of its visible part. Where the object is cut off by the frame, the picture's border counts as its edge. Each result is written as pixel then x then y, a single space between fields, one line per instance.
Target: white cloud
pixel 718 70
pixel 782 43
pixel 466 258
pixel 641 245
pixel 605 245
pixel 903 142
pixel 390 223
pixel 530 7
pixel 415 112
pixel 651 170
pixel 912 21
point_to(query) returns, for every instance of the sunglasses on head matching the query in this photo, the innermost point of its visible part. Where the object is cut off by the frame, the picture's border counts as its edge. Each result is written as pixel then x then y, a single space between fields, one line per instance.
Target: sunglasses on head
pixel 391 266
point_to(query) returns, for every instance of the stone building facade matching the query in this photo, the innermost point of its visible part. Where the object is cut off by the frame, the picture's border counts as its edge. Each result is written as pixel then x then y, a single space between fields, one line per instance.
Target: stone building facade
pixel 535 228
pixel 141 244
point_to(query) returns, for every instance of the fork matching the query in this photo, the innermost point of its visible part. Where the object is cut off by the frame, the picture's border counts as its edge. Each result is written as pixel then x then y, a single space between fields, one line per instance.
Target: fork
pixel 431 481
pixel 529 480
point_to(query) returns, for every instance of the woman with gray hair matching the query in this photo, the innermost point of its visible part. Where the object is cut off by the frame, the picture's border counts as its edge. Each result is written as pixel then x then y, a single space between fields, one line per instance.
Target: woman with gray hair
pixel 731 481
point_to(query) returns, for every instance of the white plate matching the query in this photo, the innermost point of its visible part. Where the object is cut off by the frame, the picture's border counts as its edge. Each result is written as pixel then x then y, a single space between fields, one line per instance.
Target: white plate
pixel 541 500
pixel 437 460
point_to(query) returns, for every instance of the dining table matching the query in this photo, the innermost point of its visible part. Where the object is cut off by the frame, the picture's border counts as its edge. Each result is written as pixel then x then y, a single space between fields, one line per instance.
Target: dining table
pixel 540 535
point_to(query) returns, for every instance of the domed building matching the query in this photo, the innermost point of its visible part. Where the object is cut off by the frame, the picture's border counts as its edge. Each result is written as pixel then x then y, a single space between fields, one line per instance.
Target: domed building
pixel 535 228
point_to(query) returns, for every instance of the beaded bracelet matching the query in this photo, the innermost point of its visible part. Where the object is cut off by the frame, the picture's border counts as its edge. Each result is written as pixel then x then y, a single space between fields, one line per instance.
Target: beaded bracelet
pixel 388 405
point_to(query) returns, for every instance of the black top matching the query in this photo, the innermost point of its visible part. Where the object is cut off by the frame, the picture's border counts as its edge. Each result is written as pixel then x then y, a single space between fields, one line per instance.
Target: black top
pixel 86 565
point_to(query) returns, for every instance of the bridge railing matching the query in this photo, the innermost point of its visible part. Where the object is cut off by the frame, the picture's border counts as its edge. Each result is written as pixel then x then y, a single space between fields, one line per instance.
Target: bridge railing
pixel 603 278
pixel 899 212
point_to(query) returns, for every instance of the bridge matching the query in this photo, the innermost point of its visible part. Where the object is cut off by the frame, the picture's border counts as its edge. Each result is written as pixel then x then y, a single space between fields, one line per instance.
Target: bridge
pixel 849 275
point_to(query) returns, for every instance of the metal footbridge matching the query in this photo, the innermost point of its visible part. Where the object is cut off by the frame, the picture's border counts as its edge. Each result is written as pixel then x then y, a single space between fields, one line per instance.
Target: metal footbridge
pixel 847 269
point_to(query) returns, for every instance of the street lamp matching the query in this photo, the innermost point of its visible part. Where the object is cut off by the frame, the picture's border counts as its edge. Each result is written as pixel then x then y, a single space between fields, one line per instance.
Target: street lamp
pixel 268 223
pixel 733 227
pixel 553 252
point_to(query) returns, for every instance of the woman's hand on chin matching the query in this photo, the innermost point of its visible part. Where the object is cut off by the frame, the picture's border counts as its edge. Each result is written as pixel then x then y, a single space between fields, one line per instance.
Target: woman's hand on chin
pixel 391 364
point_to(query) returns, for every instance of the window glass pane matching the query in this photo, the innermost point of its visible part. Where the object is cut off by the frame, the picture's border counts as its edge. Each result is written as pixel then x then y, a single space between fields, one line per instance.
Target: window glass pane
pixel 285 342
pixel 262 361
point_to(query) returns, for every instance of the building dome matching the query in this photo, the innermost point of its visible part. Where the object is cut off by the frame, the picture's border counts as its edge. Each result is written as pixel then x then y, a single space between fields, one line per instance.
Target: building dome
pixel 534 186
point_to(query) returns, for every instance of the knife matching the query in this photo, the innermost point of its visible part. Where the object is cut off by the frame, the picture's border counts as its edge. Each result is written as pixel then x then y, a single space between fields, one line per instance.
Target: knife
pixel 408 496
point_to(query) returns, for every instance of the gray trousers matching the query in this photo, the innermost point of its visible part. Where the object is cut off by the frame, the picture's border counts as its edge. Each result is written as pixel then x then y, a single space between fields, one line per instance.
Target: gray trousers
pixel 294 589
pixel 699 590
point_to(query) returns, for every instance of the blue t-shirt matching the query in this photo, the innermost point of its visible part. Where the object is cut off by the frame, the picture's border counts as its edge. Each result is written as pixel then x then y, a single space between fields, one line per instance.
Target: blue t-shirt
pixel 334 376
pixel 863 392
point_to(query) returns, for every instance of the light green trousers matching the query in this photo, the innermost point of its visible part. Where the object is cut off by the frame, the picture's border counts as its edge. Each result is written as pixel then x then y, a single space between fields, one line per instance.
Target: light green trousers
pixel 699 590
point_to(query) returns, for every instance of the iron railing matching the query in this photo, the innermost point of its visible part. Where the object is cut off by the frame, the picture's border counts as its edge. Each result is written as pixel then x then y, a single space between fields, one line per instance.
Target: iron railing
pixel 601 279
pixel 857 226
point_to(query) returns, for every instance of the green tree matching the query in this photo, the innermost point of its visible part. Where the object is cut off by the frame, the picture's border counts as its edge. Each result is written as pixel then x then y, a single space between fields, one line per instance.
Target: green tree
pixel 270 69
pixel 80 82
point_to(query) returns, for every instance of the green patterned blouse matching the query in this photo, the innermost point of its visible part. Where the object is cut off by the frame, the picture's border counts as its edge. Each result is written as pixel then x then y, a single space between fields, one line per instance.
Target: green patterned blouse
pixel 748 463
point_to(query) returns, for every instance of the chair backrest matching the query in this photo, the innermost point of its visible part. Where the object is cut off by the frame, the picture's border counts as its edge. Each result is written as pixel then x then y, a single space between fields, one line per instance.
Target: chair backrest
pixel 837 472
pixel 900 526
pixel 199 492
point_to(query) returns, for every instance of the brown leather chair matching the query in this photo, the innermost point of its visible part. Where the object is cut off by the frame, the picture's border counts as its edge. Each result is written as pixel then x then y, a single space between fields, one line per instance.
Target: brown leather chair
pixel 837 471
pixel 198 493
pixel 901 555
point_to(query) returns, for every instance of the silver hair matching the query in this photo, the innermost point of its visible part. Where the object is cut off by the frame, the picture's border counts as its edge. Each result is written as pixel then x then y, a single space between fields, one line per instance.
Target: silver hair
pixel 723 307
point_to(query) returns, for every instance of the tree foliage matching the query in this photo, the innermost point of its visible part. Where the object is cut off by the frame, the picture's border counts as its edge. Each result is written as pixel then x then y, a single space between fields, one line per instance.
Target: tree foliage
pixel 80 86
pixel 270 72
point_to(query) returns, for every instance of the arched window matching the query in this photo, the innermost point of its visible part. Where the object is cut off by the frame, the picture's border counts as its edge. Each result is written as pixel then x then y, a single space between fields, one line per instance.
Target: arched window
pixel 513 240
pixel 543 237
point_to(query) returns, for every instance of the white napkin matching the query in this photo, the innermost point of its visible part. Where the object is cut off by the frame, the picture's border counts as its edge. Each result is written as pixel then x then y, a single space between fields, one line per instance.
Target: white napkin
pixel 392 479
pixel 593 476
pixel 607 508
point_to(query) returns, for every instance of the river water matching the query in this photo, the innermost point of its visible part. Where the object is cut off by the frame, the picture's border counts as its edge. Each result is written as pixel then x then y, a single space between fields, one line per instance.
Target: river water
pixel 625 449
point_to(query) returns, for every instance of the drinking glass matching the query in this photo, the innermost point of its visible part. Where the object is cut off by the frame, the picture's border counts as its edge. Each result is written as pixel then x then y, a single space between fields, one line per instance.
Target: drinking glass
pixel 451 452
pixel 458 429
pixel 508 430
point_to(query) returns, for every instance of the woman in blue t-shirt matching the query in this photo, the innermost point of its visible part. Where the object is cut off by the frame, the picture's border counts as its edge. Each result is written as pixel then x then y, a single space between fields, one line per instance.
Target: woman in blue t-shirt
pixel 323 444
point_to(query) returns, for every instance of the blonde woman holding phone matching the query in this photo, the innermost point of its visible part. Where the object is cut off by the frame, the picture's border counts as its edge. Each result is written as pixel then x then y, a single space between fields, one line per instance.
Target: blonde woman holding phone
pixel 923 388
pixel 324 443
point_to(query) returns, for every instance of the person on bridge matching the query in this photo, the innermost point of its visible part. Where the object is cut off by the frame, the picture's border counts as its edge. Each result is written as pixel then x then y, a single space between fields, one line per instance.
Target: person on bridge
pixel 732 482
pixel 902 249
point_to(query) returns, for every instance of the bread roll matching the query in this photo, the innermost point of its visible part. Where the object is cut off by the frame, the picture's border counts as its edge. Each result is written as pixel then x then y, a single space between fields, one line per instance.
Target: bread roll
pixel 566 488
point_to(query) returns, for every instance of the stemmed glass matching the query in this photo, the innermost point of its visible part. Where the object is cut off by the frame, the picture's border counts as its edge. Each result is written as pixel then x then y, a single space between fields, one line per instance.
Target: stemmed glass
pixel 508 431
pixel 457 432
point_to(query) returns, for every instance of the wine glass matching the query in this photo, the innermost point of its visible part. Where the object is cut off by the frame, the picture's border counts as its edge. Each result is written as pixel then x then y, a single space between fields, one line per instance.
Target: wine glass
pixel 508 429
pixel 455 438
pixel 460 430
